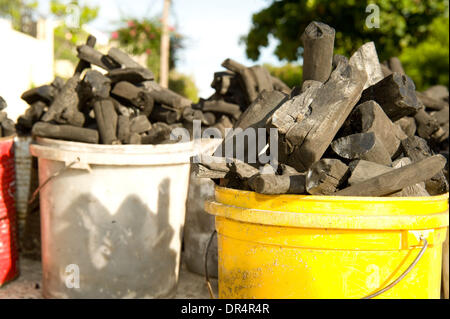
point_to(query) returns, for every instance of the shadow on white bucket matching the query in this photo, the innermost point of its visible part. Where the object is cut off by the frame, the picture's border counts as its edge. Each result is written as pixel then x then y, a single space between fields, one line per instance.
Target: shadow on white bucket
pixel 117 213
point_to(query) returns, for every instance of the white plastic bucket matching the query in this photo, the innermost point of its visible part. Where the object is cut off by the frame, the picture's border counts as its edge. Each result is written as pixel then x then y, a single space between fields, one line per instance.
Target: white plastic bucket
pixel 111 218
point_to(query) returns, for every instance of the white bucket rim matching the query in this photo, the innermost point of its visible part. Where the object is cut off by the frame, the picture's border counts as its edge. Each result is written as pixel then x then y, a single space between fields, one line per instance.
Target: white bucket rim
pixel 100 154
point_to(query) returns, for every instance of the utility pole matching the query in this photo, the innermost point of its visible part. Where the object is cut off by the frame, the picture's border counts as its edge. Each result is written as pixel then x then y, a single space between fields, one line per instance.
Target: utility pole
pixel 165 46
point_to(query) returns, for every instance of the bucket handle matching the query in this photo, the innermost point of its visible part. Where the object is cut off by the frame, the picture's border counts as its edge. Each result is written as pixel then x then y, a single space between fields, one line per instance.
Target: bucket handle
pixel 375 294
pixel 403 275
pixel 57 173
pixel 208 282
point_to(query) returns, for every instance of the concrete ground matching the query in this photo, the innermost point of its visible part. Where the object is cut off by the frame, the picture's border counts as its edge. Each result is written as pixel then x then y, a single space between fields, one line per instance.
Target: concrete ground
pixel 28 284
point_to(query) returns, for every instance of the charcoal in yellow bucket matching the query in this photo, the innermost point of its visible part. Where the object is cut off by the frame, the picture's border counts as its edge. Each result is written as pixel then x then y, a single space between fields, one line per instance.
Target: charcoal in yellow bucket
pixel 302 246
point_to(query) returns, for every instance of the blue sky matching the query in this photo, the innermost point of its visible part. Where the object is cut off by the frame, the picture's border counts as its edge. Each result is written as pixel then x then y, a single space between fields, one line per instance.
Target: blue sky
pixel 212 28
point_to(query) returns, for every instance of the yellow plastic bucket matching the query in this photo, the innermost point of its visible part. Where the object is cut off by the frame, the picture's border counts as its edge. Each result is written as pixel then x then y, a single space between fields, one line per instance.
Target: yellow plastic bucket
pixel 301 246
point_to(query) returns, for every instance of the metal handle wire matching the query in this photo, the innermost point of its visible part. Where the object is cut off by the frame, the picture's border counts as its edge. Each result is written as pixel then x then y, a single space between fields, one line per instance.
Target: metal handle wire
pixel 57 173
pixel 403 275
pixel 208 282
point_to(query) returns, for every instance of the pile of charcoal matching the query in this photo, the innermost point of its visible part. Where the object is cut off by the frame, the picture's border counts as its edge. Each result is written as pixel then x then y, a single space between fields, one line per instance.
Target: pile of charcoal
pixel 235 89
pixel 355 127
pixel 7 126
pixel 124 105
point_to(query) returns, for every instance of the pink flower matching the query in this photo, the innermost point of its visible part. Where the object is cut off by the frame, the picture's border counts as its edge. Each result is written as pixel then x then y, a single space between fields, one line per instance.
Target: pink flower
pixel 133 33
pixel 171 29
pixel 148 51
pixel 115 35
pixel 130 23
pixel 151 36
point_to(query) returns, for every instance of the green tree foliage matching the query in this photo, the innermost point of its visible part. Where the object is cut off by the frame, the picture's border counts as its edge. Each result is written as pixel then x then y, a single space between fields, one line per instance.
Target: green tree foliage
pixel 184 85
pixel 69 35
pixel 16 9
pixel 427 63
pixel 144 37
pixel 404 25
pixel 290 73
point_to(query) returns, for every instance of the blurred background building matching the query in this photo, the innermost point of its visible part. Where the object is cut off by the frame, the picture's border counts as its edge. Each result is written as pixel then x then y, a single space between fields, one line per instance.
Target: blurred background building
pixel 26 60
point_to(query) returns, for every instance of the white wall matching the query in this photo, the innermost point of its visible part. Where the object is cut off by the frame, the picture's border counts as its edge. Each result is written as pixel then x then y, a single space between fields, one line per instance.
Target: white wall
pixel 25 61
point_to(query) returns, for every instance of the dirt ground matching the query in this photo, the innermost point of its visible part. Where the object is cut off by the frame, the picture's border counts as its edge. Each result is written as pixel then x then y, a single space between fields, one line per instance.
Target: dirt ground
pixel 28 284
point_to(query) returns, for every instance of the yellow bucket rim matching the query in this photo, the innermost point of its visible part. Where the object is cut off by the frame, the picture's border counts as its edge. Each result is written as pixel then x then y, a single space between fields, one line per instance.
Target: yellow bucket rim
pixel 334 212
